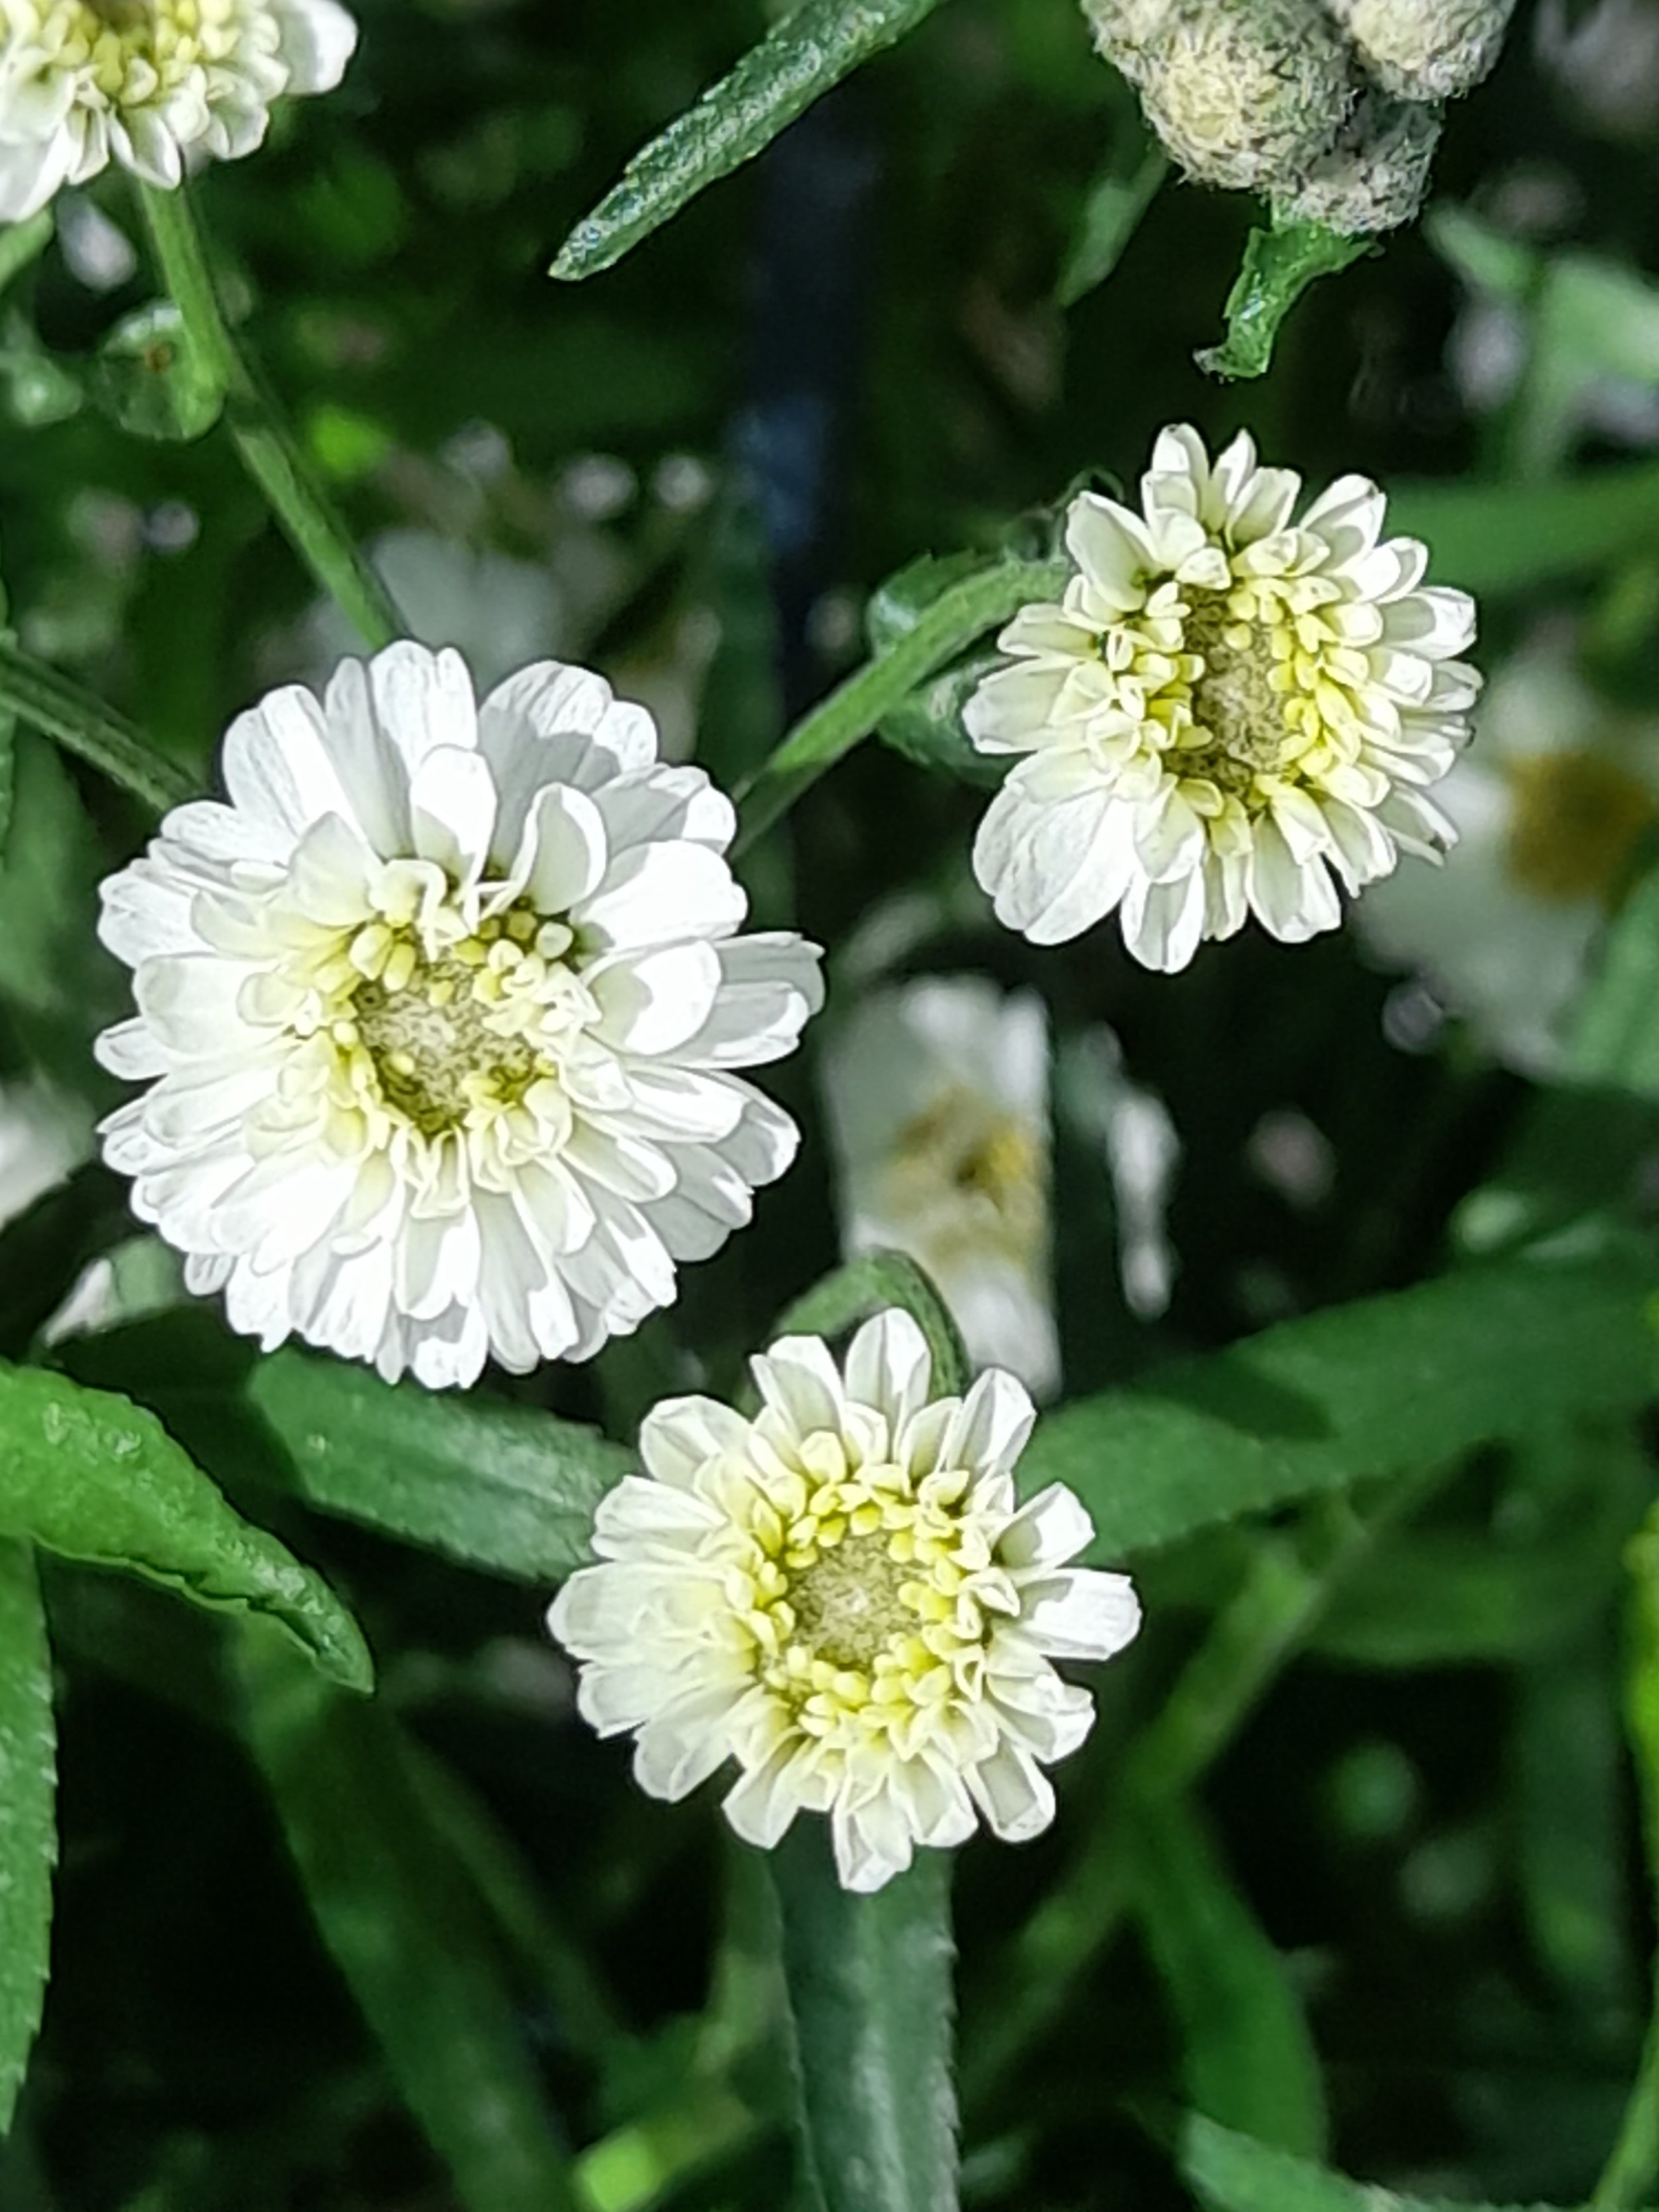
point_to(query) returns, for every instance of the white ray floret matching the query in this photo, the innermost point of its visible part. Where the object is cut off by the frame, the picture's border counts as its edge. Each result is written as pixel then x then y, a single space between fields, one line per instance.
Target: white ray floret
pixel 443 1013
pixel 1230 712
pixel 844 1596
pixel 150 84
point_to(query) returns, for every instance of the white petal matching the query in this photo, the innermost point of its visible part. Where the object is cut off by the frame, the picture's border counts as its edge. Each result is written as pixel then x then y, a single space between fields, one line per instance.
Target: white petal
pixel 1053 1527
pixel 889 1367
pixel 1081 1614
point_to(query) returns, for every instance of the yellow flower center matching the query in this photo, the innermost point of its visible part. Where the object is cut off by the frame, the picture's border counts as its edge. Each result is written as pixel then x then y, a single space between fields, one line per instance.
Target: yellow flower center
pixel 867 1594
pixel 1576 821
pixel 968 1176
pixel 131 52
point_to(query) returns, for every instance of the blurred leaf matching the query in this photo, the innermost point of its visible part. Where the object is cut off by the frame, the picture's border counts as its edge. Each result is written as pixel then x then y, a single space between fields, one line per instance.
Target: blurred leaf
pixel 1231 2173
pixel 45 1249
pixel 506 1487
pixel 1363 1390
pixel 29 1833
pixel 95 1479
pixel 817 45
pixel 396 1909
pixel 1112 209
pixel 868 1285
pixel 1278 266
pixel 926 725
pixel 1615 1038
pixel 153 381
pixel 869 1991
pixel 1249 2061
pixel 1572 1812
pixel 48 967
pixel 1631 2175
pixel 1507 537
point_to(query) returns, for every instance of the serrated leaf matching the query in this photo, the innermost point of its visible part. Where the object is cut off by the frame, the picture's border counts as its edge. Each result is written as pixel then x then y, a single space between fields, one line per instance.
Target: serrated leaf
pixel 1248 2060
pixel 505 1487
pixel 1230 2172
pixel 397 1911
pixel 1277 267
pixel 869 1982
pixel 816 46
pixel 153 380
pixel 29 1833
pixel 1372 1388
pixel 96 1479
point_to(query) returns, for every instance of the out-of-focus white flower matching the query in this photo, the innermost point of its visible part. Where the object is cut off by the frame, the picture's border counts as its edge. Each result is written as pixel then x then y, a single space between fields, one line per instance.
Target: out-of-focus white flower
pixel 843 1596
pixel 939 1105
pixel 1227 709
pixel 499 614
pixel 43 1136
pixel 1135 1131
pixel 150 84
pixel 444 1011
pixel 1549 808
pixel 1608 57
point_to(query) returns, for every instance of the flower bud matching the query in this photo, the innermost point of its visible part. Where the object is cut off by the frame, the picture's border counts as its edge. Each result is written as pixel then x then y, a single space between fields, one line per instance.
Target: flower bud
pixel 1375 176
pixel 1243 92
pixel 1426 49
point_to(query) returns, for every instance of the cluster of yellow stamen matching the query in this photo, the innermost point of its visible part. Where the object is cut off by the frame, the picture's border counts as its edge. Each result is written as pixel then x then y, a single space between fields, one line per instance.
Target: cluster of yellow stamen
pixel 130 52
pixel 1253 681
pixel 868 1596
pixel 969 1174
pixel 438 1026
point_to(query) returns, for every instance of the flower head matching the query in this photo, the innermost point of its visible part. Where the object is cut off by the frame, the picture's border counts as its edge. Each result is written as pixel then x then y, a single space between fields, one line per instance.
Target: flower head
pixel 149 83
pixel 1550 810
pixel 444 1011
pixel 844 1596
pixel 1227 708
pixel 938 1092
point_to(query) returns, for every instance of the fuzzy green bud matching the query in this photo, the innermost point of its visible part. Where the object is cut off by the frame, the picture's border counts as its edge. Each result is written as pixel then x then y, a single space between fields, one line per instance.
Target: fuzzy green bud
pixel 1375 177
pixel 1426 49
pixel 1243 93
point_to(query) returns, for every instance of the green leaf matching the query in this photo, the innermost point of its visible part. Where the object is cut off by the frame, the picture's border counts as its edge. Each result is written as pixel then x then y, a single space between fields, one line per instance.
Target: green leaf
pixel 1615 1037
pixel 500 1486
pixel 870 1284
pixel 817 45
pixel 153 379
pixel 397 1911
pixel 83 726
pixel 23 243
pixel 869 1991
pixel 94 1478
pixel 1112 210
pixel 1249 2061
pixel 1631 2175
pixel 1278 266
pixel 29 1833
pixel 1490 538
pixel 1364 1390
pixel 1229 2173
pixel 946 624
pixel 46 1248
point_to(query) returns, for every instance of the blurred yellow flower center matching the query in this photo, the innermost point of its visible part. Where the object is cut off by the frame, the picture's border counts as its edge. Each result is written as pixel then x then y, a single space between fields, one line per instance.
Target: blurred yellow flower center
pixel 132 52
pixel 971 1174
pixel 1576 824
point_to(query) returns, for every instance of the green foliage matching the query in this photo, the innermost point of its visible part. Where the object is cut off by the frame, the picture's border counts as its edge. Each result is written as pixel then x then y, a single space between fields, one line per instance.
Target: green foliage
pixel 870 1992
pixel 1248 2061
pixel 28 1834
pixel 1415 1379
pixel 1231 2173
pixel 406 1930
pixel 152 377
pixel 810 52
pixel 97 1479
pixel 868 1285
pixel 1278 265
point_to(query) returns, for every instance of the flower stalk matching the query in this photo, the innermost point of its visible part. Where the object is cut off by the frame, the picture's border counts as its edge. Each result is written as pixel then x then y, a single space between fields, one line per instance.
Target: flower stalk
pixel 271 453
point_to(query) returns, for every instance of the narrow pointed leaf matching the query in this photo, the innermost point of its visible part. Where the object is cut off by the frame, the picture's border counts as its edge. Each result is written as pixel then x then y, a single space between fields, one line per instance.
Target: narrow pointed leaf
pixel 399 1912
pixel 867 1285
pixel 28 1835
pixel 1230 2172
pixel 809 52
pixel 94 1478
pixel 1278 265
pixel 869 1991
pixel 1367 1389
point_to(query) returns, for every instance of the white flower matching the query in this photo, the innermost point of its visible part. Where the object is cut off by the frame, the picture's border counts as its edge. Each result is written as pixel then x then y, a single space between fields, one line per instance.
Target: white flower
pixel 1227 707
pixel 444 1008
pixel 1549 809
pixel 843 1596
pixel 938 1093
pixel 44 1137
pixel 149 83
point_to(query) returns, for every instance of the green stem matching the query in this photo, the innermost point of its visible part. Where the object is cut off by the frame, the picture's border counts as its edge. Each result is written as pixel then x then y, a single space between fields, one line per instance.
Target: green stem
pixel 83 726
pixel 854 709
pixel 1632 2171
pixel 1287 1589
pixel 271 453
